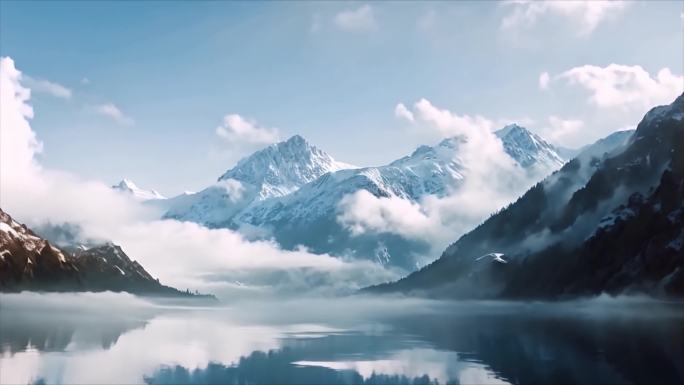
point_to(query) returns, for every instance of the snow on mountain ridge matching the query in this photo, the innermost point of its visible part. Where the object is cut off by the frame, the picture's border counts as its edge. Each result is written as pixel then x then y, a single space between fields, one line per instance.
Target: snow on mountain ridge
pixel 294 179
pixel 428 170
pixel 283 167
pixel 292 191
pixel 528 148
pixel 128 186
pixel 275 171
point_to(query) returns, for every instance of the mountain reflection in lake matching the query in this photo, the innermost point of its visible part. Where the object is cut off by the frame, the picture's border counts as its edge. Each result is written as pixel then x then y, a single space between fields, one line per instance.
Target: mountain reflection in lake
pixel 114 338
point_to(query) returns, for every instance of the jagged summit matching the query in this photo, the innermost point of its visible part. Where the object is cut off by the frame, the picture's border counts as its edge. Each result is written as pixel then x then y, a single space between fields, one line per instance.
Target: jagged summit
pixel 128 186
pixel 511 128
pixel 283 167
pixel 525 147
pixel 445 151
pixel 126 183
pixel 296 140
pixel 528 148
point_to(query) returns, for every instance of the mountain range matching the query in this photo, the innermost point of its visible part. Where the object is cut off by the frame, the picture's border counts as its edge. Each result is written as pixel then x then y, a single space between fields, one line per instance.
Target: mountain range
pixel 606 222
pixel 609 219
pixel 291 191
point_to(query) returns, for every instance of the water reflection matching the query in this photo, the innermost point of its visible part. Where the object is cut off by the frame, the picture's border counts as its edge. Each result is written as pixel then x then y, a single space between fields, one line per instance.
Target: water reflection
pixel 68 339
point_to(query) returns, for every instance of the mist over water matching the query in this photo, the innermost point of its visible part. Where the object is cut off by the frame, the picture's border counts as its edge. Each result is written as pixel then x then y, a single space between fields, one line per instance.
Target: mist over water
pixel 117 338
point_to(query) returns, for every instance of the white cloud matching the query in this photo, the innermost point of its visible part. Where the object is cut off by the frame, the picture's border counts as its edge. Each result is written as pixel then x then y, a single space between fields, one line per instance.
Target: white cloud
pixel 621 95
pixel 625 86
pixel 438 221
pixel 361 19
pixel 30 191
pixel 565 131
pixel 180 254
pixel 47 87
pixel 85 80
pixel 585 15
pixel 400 111
pixel 18 142
pixel 113 112
pixel 544 79
pixel 239 131
pixel 450 124
pixel 362 212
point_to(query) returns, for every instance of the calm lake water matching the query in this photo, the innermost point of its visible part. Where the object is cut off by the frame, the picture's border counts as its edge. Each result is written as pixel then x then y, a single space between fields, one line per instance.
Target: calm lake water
pixel 118 339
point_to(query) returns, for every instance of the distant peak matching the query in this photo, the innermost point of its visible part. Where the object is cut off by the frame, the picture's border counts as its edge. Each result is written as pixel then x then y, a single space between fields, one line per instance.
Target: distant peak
pixel 453 141
pixel 511 128
pixel 293 143
pixel 126 183
pixel 128 186
pixel 283 167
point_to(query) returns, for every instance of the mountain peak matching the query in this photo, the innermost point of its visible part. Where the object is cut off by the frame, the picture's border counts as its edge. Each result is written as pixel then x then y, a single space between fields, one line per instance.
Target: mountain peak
pixel 297 139
pixel 283 167
pixel 128 186
pixel 528 148
pixel 442 154
pixel 125 183
pixel 512 128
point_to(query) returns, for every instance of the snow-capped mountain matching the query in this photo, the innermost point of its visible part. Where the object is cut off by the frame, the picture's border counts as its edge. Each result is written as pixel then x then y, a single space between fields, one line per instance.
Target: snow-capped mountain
pixel 127 186
pixel 529 149
pixel 427 171
pixel 309 216
pixel 282 168
pixel 292 192
pixel 275 171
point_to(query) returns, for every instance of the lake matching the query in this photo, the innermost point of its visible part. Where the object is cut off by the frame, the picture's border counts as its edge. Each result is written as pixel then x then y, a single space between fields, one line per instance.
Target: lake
pixel 112 338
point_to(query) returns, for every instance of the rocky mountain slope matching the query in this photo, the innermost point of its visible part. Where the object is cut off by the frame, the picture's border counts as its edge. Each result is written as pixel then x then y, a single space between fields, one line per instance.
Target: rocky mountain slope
pixel 529 149
pixel 602 223
pixel 29 262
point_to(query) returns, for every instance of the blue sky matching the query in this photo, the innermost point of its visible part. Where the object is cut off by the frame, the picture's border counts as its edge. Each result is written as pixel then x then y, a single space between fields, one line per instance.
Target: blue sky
pixel 144 85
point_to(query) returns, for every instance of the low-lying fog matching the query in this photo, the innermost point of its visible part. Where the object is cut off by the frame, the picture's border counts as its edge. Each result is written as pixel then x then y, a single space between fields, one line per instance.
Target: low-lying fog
pixel 118 338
